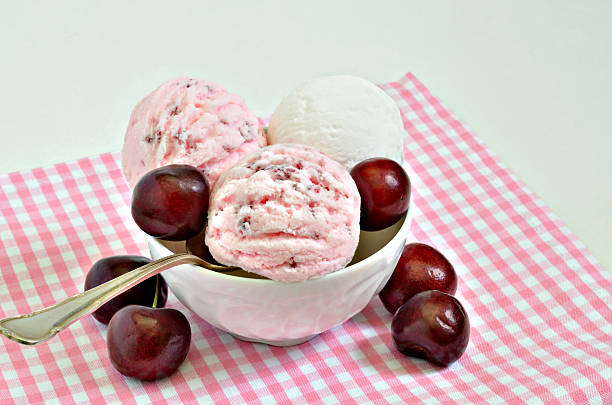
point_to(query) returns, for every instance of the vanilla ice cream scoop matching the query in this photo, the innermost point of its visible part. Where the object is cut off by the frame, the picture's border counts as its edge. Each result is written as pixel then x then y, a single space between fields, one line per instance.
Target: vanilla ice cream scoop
pixel 346 117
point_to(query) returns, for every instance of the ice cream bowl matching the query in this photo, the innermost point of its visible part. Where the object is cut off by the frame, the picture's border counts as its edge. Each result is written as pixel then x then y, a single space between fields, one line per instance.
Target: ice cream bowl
pixel 284 314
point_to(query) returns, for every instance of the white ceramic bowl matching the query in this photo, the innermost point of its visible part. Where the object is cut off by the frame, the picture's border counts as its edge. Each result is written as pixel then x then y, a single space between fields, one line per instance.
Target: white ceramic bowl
pixel 283 314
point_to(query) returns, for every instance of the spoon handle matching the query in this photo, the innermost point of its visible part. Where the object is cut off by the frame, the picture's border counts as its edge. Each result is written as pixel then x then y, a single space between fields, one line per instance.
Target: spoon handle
pixel 43 324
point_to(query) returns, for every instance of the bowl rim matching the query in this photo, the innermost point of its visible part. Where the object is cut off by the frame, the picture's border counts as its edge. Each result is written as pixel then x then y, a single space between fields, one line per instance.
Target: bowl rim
pixel 400 234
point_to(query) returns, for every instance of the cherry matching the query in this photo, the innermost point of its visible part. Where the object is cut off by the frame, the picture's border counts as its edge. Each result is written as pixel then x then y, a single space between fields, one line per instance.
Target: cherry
pixel 171 202
pixel 151 292
pixel 431 325
pixel 148 343
pixel 384 187
pixel 420 268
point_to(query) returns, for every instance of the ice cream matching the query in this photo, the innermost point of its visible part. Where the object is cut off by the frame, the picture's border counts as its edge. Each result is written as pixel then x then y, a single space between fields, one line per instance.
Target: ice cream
pixel 286 212
pixel 346 117
pixel 189 121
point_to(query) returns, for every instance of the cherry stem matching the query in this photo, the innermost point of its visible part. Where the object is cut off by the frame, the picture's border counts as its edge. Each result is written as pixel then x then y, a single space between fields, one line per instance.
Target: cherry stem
pixel 156 291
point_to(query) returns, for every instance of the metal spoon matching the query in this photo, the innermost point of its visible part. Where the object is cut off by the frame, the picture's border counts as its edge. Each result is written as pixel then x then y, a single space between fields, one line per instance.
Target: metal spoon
pixel 43 324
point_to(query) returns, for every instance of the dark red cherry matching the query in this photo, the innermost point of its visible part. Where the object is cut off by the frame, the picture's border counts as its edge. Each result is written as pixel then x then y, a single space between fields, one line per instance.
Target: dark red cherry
pixel 171 202
pixel 148 343
pixel 384 187
pixel 420 268
pixel 431 325
pixel 150 292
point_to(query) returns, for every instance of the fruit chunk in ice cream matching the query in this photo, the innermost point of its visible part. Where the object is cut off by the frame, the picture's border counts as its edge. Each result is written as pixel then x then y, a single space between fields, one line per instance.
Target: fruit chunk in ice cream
pixel 346 117
pixel 286 212
pixel 189 121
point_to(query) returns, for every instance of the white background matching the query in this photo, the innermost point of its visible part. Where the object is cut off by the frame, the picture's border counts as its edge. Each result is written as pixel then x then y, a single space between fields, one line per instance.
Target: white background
pixel 533 79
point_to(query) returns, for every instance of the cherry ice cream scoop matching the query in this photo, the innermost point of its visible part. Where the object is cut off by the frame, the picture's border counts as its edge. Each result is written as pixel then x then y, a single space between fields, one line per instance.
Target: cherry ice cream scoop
pixel 286 212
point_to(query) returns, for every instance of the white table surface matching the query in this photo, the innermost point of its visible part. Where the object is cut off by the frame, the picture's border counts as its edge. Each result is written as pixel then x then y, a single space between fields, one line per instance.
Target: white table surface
pixel 531 78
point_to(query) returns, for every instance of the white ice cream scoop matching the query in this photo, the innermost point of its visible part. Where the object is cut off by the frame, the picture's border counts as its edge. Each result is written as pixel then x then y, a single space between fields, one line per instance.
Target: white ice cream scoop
pixel 347 118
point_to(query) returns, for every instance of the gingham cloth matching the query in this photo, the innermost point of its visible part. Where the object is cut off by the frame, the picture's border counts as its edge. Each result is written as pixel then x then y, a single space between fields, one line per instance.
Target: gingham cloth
pixel 538 302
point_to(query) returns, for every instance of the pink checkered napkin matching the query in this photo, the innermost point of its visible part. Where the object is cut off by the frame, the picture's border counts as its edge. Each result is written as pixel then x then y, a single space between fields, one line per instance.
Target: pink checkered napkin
pixel 538 302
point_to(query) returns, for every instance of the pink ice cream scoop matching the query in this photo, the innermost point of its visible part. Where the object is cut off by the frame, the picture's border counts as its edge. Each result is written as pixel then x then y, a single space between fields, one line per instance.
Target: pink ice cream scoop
pixel 286 212
pixel 189 121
